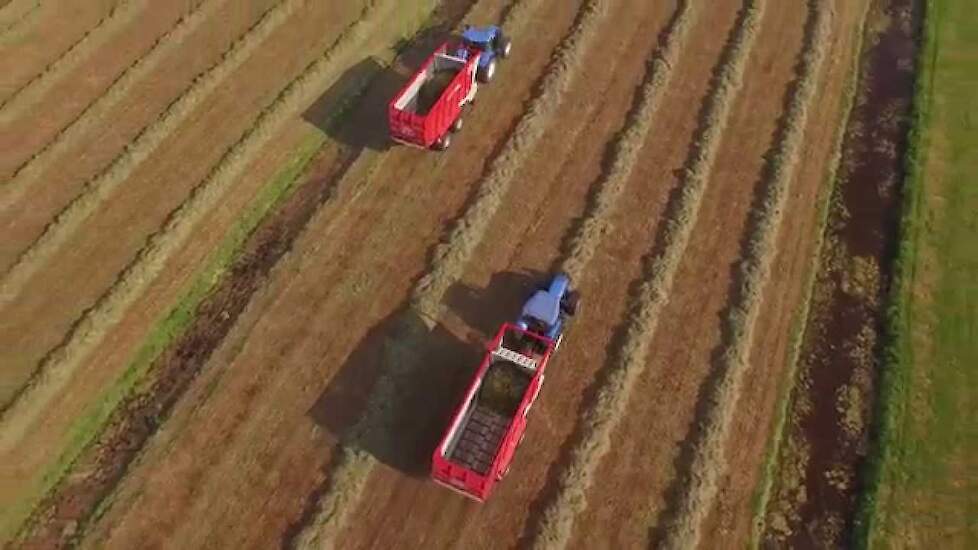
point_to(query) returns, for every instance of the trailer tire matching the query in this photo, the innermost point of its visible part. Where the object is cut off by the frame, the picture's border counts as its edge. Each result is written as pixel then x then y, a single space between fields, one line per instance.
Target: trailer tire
pixel 444 142
pixel 505 47
pixel 485 74
pixel 457 125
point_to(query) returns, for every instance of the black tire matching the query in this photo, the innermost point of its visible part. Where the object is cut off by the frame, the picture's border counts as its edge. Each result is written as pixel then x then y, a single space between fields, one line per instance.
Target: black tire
pixel 485 74
pixel 571 302
pixel 457 125
pixel 505 47
pixel 444 142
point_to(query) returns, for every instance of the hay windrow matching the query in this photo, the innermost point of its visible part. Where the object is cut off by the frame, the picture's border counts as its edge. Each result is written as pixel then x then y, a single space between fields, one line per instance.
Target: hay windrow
pixel 98 189
pixel 709 461
pixel 27 95
pixel 61 363
pixel 28 172
pixel 593 437
pixel 348 477
pixel 451 257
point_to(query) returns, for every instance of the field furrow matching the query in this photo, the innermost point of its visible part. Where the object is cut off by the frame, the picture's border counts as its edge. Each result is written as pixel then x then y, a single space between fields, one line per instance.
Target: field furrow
pixel 27 96
pixel 40 34
pixel 97 190
pixel 85 333
pixel 83 99
pixel 315 30
pixel 646 469
pixel 709 461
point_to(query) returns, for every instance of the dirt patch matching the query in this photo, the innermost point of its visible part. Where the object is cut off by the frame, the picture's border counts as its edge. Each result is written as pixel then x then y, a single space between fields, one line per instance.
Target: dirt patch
pixel 841 352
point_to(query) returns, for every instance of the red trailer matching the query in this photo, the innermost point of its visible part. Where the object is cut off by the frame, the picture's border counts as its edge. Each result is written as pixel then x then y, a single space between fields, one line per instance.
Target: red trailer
pixel 484 432
pixel 429 107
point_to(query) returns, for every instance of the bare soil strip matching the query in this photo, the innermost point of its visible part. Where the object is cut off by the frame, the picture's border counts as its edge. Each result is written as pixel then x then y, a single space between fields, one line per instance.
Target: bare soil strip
pixel 599 422
pixel 24 176
pixel 99 188
pixel 355 464
pixel 709 462
pixel 818 481
pixel 30 93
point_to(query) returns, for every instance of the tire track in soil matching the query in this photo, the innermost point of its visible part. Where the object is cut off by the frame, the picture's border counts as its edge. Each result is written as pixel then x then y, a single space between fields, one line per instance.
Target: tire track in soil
pixel 352 470
pixel 575 155
pixel 25 97
pixel 33 152
pixel 60 363
pixel 709 461
pixel 405 153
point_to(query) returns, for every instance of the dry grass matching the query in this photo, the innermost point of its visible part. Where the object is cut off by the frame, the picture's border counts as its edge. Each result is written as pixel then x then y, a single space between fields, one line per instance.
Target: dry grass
pixel 15 14
pixel 629 144
pixel 100 187
pixel 709 461
pixel 601 420
pixel 354 465
pixel 20 102
pixel 78 129
pixel 61 363
pixel 453 255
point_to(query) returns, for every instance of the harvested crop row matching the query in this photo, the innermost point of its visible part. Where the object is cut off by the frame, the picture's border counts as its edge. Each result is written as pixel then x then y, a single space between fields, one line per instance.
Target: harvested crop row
pixel 15 13
pixel 61 363
pixel 629 144
pixel 354 465
pixel 709 461
pixel 599 422
pixel 32 168
pixel 27 95
pixel 451 257
pixel 149 139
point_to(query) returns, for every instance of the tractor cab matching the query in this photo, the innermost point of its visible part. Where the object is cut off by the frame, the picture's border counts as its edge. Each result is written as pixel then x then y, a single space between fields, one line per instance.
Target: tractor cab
pixel 490 42
pixel 547 310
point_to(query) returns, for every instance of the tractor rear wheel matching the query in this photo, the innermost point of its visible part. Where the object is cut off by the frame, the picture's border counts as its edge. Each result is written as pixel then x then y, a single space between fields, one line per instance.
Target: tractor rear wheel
pixel 486 73
pixel 571 302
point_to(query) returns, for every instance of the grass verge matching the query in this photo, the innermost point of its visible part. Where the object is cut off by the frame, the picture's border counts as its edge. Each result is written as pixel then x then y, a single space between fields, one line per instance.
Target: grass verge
pixel 921 479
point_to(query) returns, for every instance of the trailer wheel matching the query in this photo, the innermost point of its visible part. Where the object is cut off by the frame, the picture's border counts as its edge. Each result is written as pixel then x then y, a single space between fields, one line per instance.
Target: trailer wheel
pixel 505 47
pixel 486 74
pixel 444 142
pixel 457 125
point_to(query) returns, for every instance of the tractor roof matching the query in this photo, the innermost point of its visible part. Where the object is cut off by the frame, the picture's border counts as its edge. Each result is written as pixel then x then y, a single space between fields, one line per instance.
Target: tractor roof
pixel 543 306
pixel 479 35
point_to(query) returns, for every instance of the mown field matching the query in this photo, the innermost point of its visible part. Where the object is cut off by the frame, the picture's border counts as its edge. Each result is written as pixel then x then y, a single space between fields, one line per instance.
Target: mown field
pixel 232 314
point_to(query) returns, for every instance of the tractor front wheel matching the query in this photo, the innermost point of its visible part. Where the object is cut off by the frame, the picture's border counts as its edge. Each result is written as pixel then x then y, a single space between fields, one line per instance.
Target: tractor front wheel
pixel 571 303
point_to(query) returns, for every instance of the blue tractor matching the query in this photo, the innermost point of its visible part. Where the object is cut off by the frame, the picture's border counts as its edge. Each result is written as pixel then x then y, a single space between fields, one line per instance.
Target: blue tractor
pixel 492 44
pixel 548 309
